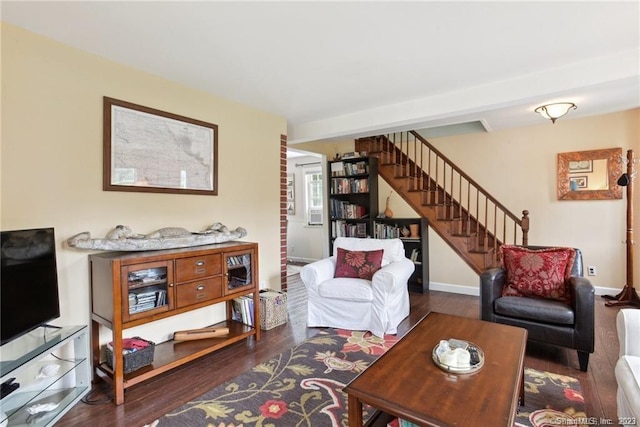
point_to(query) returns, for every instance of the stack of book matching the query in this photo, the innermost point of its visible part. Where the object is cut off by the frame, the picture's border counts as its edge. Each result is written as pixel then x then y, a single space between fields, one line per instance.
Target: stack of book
pixel 143 301
pixel 386 231
pixel 243 309
pixel 349 185
pixel 343 229
pixel 345 210
pixel 141 277
pixel 349 168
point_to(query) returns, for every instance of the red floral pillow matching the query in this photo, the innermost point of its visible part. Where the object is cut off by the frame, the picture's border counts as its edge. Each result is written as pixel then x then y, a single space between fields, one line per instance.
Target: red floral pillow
pixel 358 264
pixel 537 272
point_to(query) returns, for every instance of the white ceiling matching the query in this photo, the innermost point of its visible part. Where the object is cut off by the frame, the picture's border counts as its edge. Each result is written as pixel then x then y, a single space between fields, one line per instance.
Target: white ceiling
pixel 344 69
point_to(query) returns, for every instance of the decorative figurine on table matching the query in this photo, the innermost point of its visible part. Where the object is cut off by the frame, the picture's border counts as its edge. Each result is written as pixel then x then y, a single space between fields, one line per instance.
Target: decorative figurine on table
pixel 122 238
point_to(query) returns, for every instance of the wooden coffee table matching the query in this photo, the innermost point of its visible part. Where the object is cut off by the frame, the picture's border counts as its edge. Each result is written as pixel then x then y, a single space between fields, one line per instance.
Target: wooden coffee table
pixel 405 382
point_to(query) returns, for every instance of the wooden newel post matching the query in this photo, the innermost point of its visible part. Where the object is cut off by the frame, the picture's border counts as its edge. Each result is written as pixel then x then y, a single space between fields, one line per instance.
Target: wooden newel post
pixel 630 242
pixel 525 228
pixel 628 296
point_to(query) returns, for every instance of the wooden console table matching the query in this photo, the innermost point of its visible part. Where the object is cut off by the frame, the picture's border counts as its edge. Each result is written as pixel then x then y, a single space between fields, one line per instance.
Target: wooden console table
pixel 134 288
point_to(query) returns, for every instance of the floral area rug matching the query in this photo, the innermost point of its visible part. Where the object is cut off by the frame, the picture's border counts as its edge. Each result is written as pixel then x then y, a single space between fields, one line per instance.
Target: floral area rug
pixel 303 387
pixel 551 400
pixel 300 387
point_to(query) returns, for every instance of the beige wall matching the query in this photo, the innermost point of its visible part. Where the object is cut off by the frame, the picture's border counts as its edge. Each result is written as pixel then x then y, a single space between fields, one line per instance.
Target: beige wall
pixel 518 166
pixel 52 163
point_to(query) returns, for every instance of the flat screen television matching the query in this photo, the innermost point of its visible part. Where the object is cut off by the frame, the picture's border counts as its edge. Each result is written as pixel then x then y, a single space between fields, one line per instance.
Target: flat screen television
pixel 28 281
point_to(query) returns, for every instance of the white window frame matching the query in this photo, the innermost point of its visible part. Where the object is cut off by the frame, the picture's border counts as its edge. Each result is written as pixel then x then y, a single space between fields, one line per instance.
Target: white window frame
pixel 314 206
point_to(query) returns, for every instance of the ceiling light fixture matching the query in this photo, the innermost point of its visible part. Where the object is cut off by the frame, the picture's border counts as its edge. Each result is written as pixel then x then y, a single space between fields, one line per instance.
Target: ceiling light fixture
pixel 555 111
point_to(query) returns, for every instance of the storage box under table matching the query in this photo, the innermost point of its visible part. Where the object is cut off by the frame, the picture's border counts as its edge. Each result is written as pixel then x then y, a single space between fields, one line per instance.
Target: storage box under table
pixel 273 308
pixel 133 360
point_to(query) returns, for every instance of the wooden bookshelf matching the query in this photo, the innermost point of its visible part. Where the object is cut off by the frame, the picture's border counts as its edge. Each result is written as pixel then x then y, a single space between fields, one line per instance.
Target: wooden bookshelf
pixel 353 197
pixel 416 247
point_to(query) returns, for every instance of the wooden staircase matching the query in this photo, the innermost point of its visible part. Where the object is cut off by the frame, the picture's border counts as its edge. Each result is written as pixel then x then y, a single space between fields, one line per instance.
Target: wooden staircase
pixel 466 216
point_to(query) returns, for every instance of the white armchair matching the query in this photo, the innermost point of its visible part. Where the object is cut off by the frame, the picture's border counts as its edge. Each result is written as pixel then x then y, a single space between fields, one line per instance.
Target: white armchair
pixel 627 369
pixel 376 305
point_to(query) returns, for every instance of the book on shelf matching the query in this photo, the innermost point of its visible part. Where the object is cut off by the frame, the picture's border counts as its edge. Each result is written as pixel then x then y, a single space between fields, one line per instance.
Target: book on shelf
pixel 340 168
pixel 361 230
pixel 145 277
pixel 357 168
pixel 236 310
pixel 337 169
pixel 415 255
pixel 349 185
pixel 242 309
pixel 240 260
pixel 341 228
pixel 248 302
pixel 386 231
pixel 162 298
pixel 341 209
pixel 142 301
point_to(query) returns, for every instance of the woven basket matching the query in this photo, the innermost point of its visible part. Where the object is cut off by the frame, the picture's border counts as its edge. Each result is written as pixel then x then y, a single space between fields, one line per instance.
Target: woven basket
pixel 273 308
pixel 134 360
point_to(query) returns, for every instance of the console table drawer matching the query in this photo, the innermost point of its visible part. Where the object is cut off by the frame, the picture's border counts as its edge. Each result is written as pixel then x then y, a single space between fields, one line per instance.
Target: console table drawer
pixel 198 291
pixel 197 267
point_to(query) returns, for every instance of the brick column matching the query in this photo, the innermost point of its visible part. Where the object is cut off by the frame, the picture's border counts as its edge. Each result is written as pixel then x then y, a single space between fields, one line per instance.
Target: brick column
pixel 283 212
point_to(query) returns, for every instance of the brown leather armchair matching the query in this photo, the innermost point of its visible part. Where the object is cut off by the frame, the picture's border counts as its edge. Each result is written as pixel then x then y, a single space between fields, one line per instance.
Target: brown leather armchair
pixel 548 321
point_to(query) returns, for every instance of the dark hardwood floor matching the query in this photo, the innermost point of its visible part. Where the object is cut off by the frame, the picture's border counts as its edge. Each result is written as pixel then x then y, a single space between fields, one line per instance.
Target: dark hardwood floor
pixel 151 399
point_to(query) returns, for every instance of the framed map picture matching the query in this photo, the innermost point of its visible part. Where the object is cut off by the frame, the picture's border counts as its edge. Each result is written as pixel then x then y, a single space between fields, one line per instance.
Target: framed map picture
pixel 154 151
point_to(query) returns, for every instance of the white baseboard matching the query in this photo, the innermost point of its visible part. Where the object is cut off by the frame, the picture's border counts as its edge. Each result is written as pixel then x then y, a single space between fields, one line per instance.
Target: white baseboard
pixel 454 289
pixel 469 290
pixel 300 259
pixel 607 291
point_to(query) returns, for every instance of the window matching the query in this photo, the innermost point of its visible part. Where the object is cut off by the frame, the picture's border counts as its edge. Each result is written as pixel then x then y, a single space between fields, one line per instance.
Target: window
pixel 314 196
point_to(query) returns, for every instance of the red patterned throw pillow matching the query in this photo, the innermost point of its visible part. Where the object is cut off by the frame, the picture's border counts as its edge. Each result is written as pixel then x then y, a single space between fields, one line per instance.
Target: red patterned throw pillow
pixel 358 264
pixel 537 272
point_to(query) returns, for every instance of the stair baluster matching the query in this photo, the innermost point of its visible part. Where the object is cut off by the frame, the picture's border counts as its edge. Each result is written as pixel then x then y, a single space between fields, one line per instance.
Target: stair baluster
pixel 413 168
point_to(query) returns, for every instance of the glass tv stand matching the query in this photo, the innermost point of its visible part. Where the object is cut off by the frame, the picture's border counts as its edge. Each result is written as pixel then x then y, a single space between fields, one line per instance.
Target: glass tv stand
pixel 51 366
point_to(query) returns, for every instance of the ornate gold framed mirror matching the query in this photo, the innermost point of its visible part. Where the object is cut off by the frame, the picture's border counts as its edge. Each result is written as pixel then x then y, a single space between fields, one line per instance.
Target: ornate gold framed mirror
pixel 590 175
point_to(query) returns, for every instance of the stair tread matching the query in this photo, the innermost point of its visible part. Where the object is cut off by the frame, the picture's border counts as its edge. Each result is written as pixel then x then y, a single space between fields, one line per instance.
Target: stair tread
pixel 470 240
